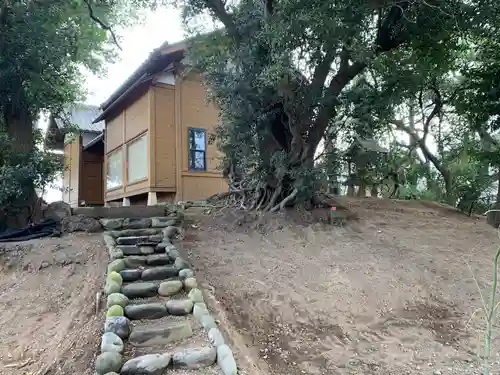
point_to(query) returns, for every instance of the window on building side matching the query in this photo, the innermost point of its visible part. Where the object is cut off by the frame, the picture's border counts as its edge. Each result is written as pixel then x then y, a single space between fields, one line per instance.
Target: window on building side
pixel 114 169
pixel 197 149
pixel 137 159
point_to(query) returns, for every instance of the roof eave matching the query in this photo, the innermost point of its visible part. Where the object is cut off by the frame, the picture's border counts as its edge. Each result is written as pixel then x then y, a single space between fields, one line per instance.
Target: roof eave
pixel 164 49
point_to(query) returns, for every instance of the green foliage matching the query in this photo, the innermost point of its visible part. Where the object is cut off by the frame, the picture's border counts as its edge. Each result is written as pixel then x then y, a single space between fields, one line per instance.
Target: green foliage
pixel 44 49
pixel 20 173
pixel 284 73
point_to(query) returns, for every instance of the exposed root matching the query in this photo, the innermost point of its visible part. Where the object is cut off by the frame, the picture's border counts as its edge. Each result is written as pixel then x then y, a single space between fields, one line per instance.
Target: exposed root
pixel 274 198
pixel 283 203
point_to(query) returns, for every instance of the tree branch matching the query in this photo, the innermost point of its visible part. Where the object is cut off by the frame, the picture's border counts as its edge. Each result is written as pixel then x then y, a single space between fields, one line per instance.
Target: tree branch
pixel 387 37
pixel 428 155
pixel 344 75
pixel 319 77
pixel 438 104
pixel 219 10
pixel 101 23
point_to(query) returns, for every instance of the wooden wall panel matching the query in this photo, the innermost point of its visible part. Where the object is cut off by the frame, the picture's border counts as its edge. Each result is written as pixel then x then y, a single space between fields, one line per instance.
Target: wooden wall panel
pixel 67 172
pixel 92 177
pixel 137 117
pixel 197 113
pixel 114 132
pixel 163 135
pixel 196 187
pixel 71 178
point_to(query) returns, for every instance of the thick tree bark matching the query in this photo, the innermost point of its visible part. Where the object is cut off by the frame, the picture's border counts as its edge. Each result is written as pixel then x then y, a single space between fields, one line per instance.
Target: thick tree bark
pixel 305 118
pixel 19 126
pixel 20 130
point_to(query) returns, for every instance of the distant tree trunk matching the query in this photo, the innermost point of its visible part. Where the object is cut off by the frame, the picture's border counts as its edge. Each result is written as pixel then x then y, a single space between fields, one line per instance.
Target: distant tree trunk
pixel 20 130
pixel 493 217
pixel 19 124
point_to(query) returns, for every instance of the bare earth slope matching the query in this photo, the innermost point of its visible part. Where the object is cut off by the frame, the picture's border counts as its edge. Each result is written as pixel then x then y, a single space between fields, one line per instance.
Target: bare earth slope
pixel 48 292
pixel 389 294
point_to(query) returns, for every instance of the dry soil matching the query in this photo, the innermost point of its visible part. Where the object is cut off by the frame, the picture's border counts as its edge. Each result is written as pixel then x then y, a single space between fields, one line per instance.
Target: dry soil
pixel 391 293
pixel 48 322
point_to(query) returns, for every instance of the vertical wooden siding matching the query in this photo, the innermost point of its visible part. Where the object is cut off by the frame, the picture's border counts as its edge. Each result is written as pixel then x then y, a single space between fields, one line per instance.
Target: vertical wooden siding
pixel 71 177
pixel 114 132
pixel 197 113
pixel 163 137
pixel 137 117
pixel 92 177
pixel 133 121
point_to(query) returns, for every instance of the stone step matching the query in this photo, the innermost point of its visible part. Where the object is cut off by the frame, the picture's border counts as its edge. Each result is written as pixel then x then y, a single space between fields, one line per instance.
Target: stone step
pixel 158 334
pixel 136 249
pixel 194 358
pixel 135 261
pixel 157 310
pixel 150 243
pixel 154 288
pixel 144 273
pixel 134 240
pixel 140 289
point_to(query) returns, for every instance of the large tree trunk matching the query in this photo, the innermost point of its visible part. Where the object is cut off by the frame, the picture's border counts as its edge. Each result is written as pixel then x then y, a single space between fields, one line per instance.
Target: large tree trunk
pixel 20 130
pixel 19 126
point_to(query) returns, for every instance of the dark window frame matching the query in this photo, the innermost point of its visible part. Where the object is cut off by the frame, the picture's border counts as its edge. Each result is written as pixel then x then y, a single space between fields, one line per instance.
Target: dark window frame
pixel 192 150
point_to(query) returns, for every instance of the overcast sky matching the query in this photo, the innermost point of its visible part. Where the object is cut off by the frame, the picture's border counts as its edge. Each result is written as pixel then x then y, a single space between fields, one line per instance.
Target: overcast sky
pixel 136 43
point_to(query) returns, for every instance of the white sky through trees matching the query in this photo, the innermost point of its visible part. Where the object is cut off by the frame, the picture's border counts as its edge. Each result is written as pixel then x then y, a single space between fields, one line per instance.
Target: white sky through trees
pixel 137 43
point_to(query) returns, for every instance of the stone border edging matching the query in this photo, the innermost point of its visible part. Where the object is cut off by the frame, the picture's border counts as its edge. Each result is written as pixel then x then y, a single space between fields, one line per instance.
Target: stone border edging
pixel 117 326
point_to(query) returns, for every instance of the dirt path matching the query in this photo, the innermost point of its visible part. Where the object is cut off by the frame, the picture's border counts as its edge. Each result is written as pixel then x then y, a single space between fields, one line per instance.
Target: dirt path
pixel 390 294
pixel 47 305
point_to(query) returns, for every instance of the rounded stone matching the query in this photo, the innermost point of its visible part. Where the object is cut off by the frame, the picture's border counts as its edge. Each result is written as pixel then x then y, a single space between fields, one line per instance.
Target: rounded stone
pixel 149 364
pixel 158 260
pixel 111 342
pixel 134 261
pixel 169 232
pixel 115 276
pixel 179 307
pixel 108 362
pixel 114 310
pixel 146 311
pixel 140 290
pixel 194 358
pixel 173 254
pixel 200 309
pixel 116 299
pixel 116 265
pixel 190 283
pixel 147 250
pixel 170 288
pixel 186 273
pixel 215 336
pixel 111 287
pixel 160 248
pixel 180 263
pixel 119 325
pixel 196 296
pixel 115 253
pixel 208 322
pixel 159 273
pixel 226 361
pixel 131 275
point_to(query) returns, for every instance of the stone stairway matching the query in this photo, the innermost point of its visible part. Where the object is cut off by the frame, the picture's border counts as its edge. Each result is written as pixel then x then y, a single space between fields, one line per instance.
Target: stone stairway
pixel 156 318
